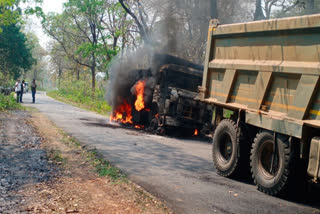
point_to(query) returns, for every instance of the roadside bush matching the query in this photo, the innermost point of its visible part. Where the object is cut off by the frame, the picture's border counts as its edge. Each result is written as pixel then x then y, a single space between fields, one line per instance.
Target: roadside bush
pixel 8 103
pixel 80 92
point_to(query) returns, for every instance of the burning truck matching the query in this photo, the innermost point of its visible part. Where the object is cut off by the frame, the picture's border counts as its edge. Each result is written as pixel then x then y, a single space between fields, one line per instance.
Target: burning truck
pixel 161 97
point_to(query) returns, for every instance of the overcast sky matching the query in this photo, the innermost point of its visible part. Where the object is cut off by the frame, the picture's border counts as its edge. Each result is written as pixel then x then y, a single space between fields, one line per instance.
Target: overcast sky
pixel 33 23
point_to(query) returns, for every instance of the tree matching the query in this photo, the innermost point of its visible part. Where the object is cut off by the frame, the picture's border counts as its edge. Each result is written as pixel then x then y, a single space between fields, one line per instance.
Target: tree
pixel 15 53
pixel 39 68
pixel 84 31
pixel 258 14
pixel 142 20
pixel 60 62
pixel 267 9
pixel 10 12
pixel 180 27
pixel 310 6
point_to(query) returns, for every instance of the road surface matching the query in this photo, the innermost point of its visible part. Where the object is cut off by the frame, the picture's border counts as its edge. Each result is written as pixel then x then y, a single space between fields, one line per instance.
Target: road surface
pixel 178 171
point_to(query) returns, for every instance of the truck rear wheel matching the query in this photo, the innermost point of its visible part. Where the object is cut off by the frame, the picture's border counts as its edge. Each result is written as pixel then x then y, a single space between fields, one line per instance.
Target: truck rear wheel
pixel 270 163
pixel 225 148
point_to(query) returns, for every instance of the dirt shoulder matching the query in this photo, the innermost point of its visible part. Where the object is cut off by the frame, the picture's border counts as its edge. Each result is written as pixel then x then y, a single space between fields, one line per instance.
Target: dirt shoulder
pixel 69 181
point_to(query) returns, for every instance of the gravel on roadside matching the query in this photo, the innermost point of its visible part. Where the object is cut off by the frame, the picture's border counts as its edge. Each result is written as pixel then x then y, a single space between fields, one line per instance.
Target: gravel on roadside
pixel 22 161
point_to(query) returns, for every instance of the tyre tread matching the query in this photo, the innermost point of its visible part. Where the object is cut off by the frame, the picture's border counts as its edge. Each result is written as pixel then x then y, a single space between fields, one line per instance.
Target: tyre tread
pixel 283 182
pixel 235 166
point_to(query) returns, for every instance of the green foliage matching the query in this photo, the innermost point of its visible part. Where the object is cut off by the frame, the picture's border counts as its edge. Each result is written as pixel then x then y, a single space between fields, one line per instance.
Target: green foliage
pixel 6 83
pixel 56 157
pixel 10 12
pixel 104 168
pixel 227 113
pixel 36 11
pixel 8 16
pixel 89 32
pixel 8 103
pixel 80 92
pixel 15 54
pixel 89 10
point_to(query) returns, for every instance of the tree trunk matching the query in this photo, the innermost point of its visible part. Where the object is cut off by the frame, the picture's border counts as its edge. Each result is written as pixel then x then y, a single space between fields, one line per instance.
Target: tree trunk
pixel 123 44
pixel 258 15
pixel 115 43
pixel 93 74
pixel 213 9
pixel 78 74
pixel 59 77
pixel 310 6
pixel 142 30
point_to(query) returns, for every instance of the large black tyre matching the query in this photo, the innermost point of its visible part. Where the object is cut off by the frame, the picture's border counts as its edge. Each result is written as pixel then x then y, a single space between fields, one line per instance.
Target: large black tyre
pixel 270 171
pixel 225 148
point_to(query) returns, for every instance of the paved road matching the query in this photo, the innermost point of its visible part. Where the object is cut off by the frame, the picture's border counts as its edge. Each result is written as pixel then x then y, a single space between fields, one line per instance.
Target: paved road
pixel 178 171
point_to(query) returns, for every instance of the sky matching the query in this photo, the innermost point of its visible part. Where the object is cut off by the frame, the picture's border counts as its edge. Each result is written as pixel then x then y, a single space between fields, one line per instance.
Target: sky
pixel 33 23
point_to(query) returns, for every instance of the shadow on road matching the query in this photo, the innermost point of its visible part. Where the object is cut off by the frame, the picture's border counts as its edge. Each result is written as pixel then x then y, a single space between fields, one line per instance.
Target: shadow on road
pixel 171 134
pixel 197 168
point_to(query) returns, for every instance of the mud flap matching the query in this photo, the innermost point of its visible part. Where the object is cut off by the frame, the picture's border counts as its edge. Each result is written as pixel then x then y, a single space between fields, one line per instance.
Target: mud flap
pixel 314 160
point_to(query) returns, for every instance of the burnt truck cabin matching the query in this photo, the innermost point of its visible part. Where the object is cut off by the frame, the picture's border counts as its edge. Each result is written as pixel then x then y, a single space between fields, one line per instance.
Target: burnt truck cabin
pixel 174 99
pixel 173 104
pixel 263 79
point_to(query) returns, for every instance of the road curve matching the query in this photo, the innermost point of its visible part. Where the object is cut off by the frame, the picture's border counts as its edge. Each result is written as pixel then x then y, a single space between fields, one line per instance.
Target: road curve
pixel 177 171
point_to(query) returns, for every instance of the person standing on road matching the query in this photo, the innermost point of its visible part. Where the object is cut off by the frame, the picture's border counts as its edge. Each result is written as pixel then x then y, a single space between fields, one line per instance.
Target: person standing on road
pixel 33 90
pixel 17 89
pixel 21 92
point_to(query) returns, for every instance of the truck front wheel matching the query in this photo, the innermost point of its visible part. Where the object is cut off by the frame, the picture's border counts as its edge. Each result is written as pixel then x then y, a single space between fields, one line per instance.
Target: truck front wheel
pixel 225 148
pixel 270 162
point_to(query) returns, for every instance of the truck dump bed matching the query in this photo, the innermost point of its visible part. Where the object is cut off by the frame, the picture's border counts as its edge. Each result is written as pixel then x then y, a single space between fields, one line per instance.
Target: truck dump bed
pixel 269 70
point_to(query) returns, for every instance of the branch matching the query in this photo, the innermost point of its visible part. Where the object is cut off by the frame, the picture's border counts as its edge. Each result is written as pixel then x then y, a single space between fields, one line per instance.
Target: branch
pixel 64 48
pixel 142 31
pixel 291 7
pixel 80 28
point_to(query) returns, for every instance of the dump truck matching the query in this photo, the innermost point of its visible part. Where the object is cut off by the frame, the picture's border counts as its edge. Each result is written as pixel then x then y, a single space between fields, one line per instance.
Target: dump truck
pixel 262 78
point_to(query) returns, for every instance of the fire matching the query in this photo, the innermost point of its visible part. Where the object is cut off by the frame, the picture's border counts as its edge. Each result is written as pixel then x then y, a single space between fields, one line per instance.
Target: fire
pixel 139 104
pixel 196 132
pixel 122 114
pixel 139 127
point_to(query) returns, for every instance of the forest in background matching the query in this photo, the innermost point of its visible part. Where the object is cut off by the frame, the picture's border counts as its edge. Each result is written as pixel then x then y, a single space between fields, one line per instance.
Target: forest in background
pixel 90 34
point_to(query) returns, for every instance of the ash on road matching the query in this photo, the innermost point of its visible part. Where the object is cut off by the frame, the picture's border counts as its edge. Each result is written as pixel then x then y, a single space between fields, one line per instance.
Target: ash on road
pixel 178 171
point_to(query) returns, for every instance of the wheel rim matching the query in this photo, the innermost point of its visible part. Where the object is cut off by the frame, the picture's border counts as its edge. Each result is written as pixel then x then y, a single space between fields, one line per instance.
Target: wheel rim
pixel 268 161
pixel 225 148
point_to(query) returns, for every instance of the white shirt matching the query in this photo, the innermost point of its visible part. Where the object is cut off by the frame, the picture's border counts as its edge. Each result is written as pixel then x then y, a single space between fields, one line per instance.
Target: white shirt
pixel 18 87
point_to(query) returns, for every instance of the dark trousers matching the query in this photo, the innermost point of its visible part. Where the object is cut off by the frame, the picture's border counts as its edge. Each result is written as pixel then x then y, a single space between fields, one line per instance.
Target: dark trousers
pixel 18 96
pixel 33 96
pixel 21 94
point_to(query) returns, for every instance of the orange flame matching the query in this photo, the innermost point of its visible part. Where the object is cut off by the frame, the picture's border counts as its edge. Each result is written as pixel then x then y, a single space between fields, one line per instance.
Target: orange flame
pixel 196 132
pixel 139 104
pixel 139 126
pixel 122 114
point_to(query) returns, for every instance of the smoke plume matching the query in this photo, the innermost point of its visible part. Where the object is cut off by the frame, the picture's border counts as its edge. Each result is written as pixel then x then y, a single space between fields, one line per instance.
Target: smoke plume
pixel 125 72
